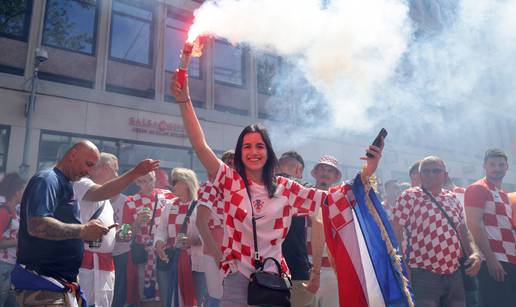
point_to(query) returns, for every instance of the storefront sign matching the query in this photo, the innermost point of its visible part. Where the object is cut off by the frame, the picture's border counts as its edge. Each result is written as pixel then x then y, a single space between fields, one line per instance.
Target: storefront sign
pixel 154 127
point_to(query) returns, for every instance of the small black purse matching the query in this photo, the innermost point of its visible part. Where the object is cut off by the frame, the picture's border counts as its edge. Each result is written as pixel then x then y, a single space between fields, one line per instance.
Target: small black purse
pixel 138 252
pixel 267 289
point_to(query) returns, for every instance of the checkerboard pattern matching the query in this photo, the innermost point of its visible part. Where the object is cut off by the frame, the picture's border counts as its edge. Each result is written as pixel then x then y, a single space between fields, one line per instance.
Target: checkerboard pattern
pixel 133 205
pixel 211 197
pixel 435 246
pixel 497 218
pixel 273 220
pixel 176 216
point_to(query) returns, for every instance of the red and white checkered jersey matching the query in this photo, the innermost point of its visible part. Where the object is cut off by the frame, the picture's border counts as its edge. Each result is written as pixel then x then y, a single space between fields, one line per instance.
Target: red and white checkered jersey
pixel 273 218
pixel 172 218
pixel 325 260
pixel 211 197
pixel 135 203
pixel 9 221
pixel 434 245
pixel 497 217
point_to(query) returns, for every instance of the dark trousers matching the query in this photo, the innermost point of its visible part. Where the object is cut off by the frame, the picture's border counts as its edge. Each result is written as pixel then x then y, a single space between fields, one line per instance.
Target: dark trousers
pixel 494 293
pixel 434 290
pixel 120 292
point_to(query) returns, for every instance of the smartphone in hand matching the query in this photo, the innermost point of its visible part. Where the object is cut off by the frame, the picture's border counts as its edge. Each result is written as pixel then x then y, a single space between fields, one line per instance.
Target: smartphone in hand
pixel 378 140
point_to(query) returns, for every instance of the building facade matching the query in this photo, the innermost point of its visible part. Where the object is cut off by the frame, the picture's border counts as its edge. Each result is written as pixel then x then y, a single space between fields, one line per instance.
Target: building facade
pixel 106 79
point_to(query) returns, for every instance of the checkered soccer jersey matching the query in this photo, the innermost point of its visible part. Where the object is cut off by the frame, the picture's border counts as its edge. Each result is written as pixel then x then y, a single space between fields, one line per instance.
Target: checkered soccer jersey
pixel 273 218
pixel 212 198
pixel 135 204
pixel 171 220
pixel 497 218
pixel 434 245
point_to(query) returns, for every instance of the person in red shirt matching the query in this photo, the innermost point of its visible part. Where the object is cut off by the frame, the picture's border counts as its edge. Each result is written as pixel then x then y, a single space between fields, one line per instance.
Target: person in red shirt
pixel 489 216
pixel 11 191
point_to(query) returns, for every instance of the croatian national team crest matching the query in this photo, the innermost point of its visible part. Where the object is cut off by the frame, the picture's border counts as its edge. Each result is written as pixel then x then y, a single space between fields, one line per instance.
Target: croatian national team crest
pixel 258 205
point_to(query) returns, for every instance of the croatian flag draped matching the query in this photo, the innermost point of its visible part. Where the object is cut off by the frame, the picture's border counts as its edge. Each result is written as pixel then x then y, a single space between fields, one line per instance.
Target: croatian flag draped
pixel 362 242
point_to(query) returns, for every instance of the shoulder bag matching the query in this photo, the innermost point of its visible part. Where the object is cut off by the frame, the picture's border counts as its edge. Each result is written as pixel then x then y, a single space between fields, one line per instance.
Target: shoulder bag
pixel 265 288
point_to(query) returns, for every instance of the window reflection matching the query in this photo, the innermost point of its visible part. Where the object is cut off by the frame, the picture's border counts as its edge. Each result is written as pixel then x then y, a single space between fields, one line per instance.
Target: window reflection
pixel 4 144
pixel 228 63
pixel 15 18
pixel 267 67
pixel 71 24
pixel 53 146
pixel 131 30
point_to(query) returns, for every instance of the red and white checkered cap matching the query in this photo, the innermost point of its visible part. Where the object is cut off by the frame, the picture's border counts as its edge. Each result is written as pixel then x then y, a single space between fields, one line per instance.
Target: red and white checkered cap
pixel 331 161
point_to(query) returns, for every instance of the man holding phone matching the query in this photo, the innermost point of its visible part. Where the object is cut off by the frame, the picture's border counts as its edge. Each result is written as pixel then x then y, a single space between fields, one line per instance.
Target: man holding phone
pixel 50 244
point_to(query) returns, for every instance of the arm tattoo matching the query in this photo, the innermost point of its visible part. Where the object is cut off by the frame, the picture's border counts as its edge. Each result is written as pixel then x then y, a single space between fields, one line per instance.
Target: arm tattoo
pixel 50 228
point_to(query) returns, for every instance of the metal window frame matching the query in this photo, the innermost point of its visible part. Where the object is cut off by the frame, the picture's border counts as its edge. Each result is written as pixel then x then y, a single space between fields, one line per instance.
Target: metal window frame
pixel 95 31
pixel 151 36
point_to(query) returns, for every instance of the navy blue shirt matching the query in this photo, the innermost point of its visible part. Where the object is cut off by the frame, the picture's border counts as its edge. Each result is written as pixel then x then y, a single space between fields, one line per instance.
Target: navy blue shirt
pixel 49 193
pixel 295 251
pixel 294 246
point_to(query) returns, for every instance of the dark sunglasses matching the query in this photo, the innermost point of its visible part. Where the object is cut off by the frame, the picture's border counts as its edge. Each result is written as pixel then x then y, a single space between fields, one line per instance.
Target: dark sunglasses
pixel 435 171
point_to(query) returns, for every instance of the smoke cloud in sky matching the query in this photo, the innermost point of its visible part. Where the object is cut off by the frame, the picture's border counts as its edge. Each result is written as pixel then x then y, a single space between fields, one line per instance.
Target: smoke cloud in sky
pixel 420 68
pixel 344 50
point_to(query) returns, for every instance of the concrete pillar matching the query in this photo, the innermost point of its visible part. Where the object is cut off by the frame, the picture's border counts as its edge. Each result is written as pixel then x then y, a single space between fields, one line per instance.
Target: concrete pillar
pixel 103 37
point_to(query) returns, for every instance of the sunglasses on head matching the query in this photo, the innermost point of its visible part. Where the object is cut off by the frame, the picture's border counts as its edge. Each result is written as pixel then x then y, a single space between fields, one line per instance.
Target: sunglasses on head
pixel 435 171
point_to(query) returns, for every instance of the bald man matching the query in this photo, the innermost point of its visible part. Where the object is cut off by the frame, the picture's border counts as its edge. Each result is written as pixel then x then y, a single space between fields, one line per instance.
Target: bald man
pixel 51 235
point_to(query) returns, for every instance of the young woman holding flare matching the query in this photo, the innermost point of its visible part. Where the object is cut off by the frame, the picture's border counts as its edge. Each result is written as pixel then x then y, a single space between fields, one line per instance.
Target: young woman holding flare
pixel 251 188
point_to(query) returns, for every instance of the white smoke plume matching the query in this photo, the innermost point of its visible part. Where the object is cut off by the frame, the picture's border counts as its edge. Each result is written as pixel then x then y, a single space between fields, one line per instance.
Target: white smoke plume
pixel 440 73
pixel 344 50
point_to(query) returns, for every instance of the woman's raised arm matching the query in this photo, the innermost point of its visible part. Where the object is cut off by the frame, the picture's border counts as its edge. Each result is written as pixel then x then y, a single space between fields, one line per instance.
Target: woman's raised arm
pixel 193 128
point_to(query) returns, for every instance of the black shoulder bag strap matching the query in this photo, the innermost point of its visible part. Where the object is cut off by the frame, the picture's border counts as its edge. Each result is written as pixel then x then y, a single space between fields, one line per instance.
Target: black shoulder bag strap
pixel 256 260
pixel 153 213
pixel 184 226
pixel 448 218
pixel 98 212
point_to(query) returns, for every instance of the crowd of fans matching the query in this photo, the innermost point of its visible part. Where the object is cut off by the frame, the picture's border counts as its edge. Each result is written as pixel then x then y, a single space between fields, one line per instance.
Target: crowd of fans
pixel 70 235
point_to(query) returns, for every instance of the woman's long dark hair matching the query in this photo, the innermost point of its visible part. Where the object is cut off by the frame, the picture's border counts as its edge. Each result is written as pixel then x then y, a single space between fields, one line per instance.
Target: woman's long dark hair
pixel 271 164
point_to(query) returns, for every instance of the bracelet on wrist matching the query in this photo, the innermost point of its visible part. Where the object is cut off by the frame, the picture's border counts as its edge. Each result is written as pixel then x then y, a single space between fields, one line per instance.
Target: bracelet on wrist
pixel 187 100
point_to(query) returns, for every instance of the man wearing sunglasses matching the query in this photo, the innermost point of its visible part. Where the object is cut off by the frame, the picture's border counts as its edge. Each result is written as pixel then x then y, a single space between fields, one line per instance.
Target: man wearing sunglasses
pixel 434 247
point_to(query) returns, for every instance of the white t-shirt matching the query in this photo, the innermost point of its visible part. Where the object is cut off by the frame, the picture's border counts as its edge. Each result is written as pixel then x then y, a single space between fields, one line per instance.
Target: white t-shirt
pixel 88 208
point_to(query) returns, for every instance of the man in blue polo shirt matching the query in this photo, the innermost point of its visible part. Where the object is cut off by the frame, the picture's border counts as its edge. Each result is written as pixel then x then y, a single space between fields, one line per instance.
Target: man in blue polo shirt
pixel 50 243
